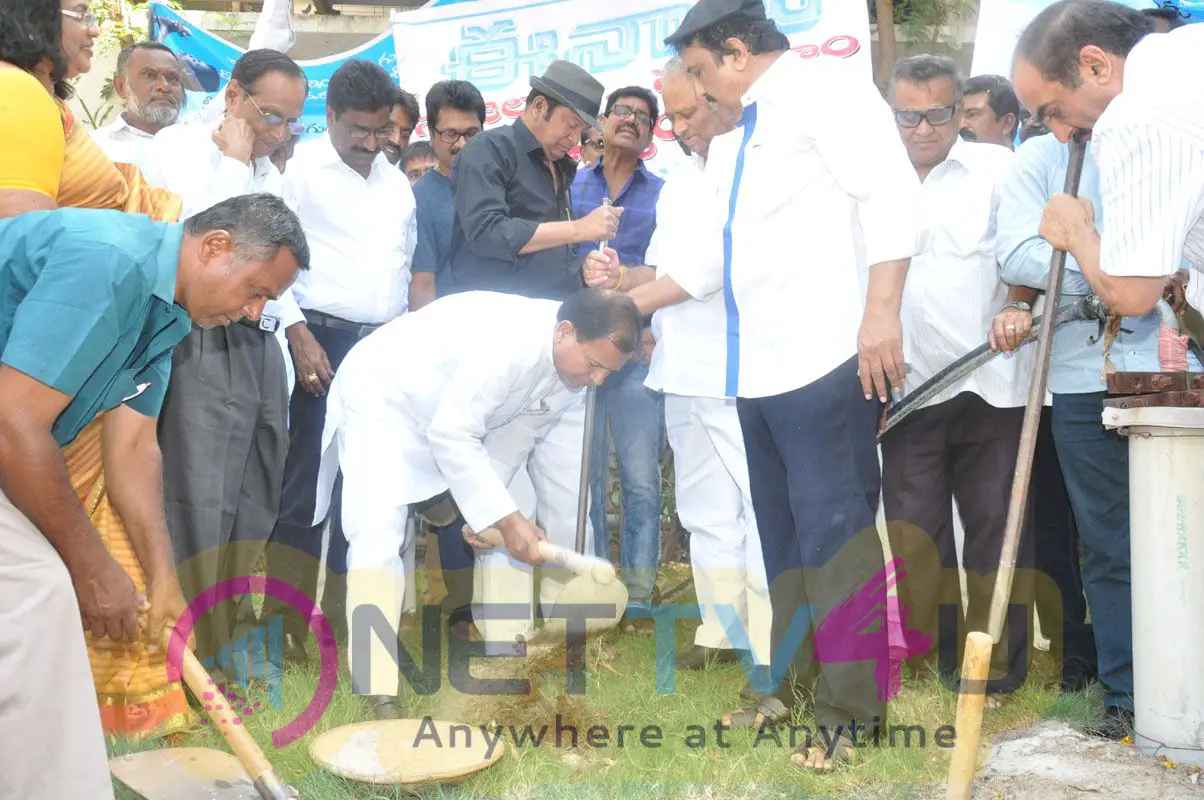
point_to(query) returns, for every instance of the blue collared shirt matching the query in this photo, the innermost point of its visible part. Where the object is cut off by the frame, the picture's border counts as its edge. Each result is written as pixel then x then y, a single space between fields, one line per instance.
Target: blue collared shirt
pixel 87 307
pixel 1077 364
pixel 637 198
pixel 436 210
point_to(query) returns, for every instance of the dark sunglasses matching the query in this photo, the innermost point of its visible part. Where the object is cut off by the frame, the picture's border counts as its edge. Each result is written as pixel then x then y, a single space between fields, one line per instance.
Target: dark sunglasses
pixel 935 117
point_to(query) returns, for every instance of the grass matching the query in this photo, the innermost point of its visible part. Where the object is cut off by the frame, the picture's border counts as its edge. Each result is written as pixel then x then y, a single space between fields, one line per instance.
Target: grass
pixel 621 690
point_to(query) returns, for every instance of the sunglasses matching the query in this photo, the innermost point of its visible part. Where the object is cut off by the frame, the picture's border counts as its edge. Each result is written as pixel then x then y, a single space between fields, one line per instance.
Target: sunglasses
pixel 935 117
pixel 274 120
pixel 623 111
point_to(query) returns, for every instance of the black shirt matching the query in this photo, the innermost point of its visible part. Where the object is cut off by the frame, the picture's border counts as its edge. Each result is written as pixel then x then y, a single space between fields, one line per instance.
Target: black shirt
pixel 502 191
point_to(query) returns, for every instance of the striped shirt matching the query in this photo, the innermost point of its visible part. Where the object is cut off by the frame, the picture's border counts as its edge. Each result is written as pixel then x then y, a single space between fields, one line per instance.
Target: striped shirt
pixel 811 189
pixel 1149 148
pixel 637 198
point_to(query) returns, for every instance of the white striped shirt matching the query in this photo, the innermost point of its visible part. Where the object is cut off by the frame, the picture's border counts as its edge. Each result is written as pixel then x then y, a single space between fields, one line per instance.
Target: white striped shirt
pixel 954 288
pixel 1149 147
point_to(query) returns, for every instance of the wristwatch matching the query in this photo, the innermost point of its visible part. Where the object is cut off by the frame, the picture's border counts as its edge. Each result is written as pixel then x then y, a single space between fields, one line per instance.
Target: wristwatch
pixel 1020 305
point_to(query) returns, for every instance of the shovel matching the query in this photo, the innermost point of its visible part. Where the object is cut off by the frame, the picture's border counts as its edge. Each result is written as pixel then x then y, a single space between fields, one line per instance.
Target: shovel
pixel 191 773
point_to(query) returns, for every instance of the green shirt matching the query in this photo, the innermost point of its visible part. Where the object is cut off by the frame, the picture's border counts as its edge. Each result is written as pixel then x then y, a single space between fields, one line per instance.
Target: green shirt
pixel 87 307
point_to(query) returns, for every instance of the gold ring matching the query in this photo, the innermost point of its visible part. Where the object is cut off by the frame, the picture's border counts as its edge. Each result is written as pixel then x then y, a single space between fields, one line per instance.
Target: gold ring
pixel 312 377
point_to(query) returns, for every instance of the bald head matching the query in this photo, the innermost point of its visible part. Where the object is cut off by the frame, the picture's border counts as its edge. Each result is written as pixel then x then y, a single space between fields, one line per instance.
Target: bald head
pixel 696 118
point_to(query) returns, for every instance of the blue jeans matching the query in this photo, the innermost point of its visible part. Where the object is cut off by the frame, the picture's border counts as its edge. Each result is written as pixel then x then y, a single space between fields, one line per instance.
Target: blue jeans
pixel 1095 463
pixel 635 416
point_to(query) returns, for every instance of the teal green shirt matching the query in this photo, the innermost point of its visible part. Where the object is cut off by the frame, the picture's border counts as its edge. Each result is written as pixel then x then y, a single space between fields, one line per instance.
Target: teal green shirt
pixel 87 307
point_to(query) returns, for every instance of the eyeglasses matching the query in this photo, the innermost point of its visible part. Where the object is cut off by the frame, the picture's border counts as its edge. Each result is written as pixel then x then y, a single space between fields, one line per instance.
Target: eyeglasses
pixel 935 117
pixel 358 134
pixel 275 120
pixel 623 111
pixel 596 143
pixel 85 18
pixel 451 135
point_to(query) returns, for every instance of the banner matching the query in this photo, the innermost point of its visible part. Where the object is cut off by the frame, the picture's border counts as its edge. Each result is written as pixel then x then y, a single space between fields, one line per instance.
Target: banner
pixel 499 44
pixel 1000 23
pixel 208 60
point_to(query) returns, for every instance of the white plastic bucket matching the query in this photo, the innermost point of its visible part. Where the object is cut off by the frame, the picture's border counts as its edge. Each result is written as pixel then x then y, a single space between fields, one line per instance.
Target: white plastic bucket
pixel 1166 507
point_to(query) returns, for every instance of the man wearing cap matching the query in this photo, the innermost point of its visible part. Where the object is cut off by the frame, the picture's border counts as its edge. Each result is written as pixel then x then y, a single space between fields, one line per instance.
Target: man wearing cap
pixel 513 232
pixel 806 257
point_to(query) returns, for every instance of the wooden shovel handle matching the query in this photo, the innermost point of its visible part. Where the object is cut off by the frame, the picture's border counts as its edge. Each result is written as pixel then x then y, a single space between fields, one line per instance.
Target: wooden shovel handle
pixel 226 719
pixel 601 571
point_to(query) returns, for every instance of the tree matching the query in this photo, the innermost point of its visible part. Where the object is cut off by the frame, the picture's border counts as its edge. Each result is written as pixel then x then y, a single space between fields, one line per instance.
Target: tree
pixel 884 10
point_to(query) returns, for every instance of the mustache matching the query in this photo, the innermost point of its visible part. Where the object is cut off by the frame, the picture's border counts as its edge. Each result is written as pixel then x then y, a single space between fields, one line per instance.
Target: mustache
pixel 627 126
pixel 968 135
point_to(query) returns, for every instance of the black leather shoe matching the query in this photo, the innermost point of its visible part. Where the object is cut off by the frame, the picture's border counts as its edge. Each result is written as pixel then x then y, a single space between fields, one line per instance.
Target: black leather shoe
pixel 1077 675
pixel 1115 724
pixel 294 649
pixel 699 657
pixel 382 706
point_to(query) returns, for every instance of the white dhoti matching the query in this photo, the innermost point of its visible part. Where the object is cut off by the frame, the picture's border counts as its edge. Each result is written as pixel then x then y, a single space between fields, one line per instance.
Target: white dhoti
pixel 540 464
pixel 715 505
pixel 50 731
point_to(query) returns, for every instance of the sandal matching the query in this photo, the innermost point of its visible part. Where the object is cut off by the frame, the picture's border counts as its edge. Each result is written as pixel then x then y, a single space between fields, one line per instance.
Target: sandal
pixel 766 711
pixel 815 758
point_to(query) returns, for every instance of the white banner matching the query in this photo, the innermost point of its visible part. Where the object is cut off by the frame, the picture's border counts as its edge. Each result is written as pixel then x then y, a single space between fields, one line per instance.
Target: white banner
pixel 1000 23
pixel 499 44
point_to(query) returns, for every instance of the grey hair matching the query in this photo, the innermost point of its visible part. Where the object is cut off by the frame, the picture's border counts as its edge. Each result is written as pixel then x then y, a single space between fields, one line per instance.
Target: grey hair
pixel 924 68
pixel 259 225
pixel 675 66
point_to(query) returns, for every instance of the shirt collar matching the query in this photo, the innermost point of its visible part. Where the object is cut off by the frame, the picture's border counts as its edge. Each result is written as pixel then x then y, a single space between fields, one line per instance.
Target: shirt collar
pixel 640 170
pixel 763 87
pixel 526 140
pixel 167 263
pixel 120 123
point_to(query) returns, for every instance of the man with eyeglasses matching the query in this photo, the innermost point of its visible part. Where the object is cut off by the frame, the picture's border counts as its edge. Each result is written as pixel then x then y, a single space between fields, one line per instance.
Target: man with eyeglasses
pixel 633 413
pixel 962 445
pixel 223 429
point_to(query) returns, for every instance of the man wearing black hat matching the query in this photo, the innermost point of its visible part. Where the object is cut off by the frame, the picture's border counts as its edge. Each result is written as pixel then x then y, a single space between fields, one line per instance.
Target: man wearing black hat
pixel 807 201
pixel 513 229
pixel 513 232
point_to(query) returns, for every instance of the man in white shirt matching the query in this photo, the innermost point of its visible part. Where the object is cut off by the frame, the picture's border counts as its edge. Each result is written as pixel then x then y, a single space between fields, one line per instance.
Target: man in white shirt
pixel 463 395
pixel 1090 67
pixel 148 80
pixel 223 430
pixel 358 214
pixel 808 200
pixel 713 497
pixel 962 444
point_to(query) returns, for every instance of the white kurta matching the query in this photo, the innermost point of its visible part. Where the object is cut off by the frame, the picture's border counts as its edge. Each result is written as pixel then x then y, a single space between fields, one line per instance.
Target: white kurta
pixel 122 142
pixel 462 395
pixel 714 499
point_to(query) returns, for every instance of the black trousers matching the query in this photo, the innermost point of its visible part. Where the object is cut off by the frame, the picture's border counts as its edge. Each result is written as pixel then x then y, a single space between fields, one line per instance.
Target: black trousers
pixel 963 449
pixel 295 554
pixel 813 469
pixel 222 435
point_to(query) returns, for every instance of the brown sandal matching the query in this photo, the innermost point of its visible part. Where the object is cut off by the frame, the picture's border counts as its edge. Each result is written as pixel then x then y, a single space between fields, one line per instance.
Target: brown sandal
pixel 766 711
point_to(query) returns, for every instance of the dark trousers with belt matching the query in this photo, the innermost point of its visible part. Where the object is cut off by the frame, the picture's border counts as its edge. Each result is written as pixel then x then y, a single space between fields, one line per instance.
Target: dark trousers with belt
pixel 295 556
pixel 222 434
pixel 813 469
pixel 963 449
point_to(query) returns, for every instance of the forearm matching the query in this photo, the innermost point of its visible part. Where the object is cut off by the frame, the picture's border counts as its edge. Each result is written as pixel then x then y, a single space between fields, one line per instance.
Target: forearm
pixel 134 481
pixel 552 234
pixel 657 294
pixel 1127 296
pixel 632 277
pixel 34 477
pixel 1022 294
pixel 422 290
pixel 885 293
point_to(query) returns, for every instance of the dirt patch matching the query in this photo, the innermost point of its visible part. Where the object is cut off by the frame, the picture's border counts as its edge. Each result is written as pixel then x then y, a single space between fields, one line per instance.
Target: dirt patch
pixel 1052 760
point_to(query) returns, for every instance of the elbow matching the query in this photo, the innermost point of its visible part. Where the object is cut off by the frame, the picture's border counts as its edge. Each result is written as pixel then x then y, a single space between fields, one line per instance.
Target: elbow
pixel 1131 297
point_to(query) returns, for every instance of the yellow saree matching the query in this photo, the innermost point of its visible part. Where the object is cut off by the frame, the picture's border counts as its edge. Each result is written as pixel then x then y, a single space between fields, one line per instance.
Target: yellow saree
pixel 136 700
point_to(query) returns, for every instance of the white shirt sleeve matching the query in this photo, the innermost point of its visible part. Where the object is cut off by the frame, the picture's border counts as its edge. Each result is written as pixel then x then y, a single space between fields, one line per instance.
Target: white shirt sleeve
pixel 1151 192
pixel 458 428
pixel 177 163
pixel 863 151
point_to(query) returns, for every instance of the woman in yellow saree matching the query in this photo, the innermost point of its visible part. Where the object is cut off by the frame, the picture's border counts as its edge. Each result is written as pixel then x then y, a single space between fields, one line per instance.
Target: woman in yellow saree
pixel 39 168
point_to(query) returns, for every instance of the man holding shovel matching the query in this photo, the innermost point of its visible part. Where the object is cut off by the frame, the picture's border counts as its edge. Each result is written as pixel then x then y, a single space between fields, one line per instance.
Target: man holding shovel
pixel 91 305
pixel 480 416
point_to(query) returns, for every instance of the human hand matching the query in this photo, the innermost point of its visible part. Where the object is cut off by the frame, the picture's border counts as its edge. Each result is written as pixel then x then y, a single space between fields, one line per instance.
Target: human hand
pixel 108 601
pixel 1174 291
pixel 236 139
pixel 880 353
pixel 522 538
pixel 647 345
pixel 166 606
pixel 1009 329
pixel 314 372
pixel 601 269
pixel 599 225
pixel 1066 220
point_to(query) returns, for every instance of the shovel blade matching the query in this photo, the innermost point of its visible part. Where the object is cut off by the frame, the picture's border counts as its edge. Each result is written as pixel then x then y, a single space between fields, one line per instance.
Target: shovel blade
pixel 184 773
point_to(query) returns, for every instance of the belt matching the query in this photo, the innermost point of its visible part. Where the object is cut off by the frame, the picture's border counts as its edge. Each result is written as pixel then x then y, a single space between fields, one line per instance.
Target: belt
pixel 337 324
pixel 267 323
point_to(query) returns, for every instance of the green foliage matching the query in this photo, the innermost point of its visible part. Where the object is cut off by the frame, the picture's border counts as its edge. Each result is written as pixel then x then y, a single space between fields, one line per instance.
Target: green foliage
pixel 928 20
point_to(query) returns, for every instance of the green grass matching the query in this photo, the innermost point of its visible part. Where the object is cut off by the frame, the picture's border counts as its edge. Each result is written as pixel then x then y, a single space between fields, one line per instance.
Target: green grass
pixel 623 692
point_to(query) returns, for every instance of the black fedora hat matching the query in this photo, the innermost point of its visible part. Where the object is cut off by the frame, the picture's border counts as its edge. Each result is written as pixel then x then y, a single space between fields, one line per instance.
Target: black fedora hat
pixel 567 83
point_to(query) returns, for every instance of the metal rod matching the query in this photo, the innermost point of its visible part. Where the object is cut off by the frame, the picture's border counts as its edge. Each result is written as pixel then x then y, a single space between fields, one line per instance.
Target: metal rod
pixel 587 441
pixel 1018 504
